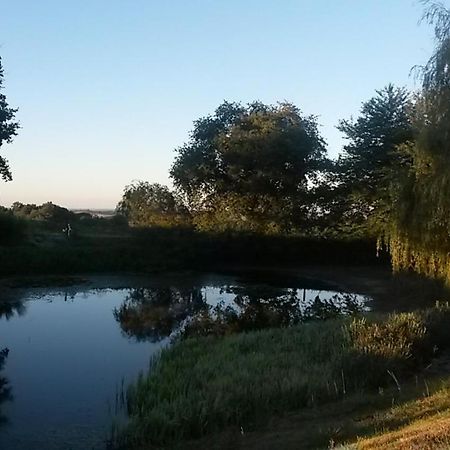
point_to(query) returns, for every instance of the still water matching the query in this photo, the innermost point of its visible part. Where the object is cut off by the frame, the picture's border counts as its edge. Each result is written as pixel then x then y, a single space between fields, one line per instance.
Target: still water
pixel 72 352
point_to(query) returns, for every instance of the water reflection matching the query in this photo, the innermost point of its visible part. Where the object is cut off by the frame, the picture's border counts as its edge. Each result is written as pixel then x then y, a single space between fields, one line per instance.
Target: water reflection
pixel 11 308
pixel 5 389
pixel 155 313
pixel 158 313
pixel 255 307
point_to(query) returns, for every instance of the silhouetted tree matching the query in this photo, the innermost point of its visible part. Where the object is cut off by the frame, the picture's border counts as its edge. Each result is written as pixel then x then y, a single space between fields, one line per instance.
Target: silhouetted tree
pixel 8 128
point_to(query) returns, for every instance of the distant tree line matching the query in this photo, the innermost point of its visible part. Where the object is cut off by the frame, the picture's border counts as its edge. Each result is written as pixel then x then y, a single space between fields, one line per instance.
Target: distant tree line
pixel 47 212
pixel 54 217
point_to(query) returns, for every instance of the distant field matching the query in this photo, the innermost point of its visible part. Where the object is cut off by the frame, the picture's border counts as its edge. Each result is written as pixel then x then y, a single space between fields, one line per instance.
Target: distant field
pixel 106 213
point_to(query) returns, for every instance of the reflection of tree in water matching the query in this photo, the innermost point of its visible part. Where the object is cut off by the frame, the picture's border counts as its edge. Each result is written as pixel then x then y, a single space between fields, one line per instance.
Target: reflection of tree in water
pixel 336 305
pixel 263 307
pixel 154 313
pixel 10 308
pixel 5 390
pixel 258 307
pixel 11 305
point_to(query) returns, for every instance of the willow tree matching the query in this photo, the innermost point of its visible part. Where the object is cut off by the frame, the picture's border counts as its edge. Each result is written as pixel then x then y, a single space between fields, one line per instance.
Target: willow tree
pixel 418 233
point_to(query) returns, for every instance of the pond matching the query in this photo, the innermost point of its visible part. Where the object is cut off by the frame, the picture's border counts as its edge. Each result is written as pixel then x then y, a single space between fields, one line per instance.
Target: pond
pixel 69 353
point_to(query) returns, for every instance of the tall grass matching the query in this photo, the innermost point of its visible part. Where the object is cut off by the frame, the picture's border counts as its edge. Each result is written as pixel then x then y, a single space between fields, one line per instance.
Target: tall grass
pixel 202 385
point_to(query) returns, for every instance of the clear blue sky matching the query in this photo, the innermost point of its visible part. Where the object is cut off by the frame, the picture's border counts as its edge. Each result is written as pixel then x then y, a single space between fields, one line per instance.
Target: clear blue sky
pixel 107 89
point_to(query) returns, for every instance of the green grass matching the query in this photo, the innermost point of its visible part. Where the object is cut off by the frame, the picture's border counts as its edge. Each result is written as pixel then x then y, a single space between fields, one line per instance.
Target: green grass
pixel 200 386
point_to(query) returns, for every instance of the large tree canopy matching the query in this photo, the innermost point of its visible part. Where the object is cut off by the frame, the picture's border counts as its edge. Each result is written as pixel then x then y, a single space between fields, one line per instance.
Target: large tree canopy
pixel 8 128
pixel 248 167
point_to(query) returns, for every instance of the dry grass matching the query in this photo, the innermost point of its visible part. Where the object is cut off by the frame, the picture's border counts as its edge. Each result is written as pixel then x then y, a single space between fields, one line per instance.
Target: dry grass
pixel 425 434
pixel 425 424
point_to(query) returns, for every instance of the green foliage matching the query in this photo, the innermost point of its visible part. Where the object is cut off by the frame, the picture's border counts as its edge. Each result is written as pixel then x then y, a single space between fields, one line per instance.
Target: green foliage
pixel 247 167
pixel 8 128
pixel 145 204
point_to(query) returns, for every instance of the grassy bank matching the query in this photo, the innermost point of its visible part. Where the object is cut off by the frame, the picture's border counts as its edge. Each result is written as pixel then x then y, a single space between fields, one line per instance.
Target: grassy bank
pixel 202 386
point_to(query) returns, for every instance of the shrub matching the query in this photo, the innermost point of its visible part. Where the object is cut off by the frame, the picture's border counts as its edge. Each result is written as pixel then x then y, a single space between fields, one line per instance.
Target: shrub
pixel 390 339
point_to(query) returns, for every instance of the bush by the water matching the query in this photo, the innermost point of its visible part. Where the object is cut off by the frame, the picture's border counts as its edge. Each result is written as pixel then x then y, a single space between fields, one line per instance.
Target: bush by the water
pixel 201 385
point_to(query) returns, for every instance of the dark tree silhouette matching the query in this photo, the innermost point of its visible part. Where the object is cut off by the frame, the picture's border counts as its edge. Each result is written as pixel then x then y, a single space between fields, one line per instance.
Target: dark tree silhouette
pixel 8 128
